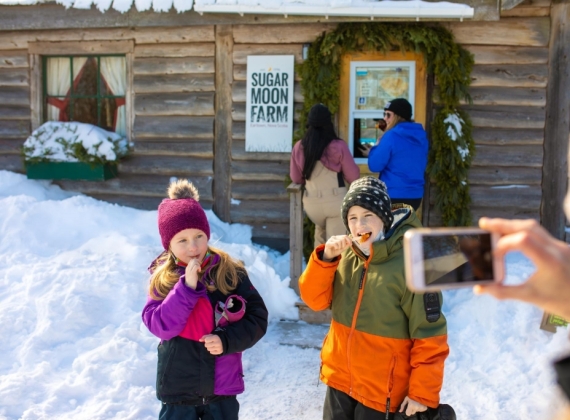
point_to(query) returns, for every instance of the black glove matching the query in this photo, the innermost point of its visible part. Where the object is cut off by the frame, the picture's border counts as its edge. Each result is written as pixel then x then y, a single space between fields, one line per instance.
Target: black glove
pixel 443 412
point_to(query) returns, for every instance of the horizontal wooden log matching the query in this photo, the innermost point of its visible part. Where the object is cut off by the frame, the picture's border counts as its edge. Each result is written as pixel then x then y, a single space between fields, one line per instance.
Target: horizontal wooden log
pixel 270 230
pixel 517 198
pixel 279 34
pixel 12 59
pixel 528 32
pixel 153 65
pixel 12 162
pixel 193 103
pixel 15 95
pixel 177 83
pixel 173 127
pixel 19 39
pixel 506 117
pixel 82 47
pixel 508 96
pixel 510 75
pixel 495 136
pixel 518 155
pixel 241 51
pixel 259 190
pixel 239 92
pixel 138 201
pixel 197 49
pixel 505 175
pixel 513 196
pixel 14 77
pixel 166 165
pixel 508 55
pixel 256 170
pixel 139 184
pixel 14 112
pixel 528 8
pixel 11 146
pixel 493 211
pixel 15 128
pixel 181 147
pixel 238 111
pixel 239 153
pixel 260 211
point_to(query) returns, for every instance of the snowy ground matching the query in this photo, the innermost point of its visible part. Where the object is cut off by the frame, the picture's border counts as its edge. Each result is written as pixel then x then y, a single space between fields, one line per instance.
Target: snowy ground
pixel 73 282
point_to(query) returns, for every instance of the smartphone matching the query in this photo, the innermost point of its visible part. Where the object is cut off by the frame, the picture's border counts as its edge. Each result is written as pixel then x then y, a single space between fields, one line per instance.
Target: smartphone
pixel 447 258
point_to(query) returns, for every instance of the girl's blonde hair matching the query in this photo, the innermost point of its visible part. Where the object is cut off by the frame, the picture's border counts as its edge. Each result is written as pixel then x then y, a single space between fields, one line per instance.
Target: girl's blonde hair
pixel 396 119
pixel 223 274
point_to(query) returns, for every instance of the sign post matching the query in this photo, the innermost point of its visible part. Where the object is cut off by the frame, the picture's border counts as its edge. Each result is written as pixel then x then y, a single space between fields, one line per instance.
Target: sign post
pixel 269 103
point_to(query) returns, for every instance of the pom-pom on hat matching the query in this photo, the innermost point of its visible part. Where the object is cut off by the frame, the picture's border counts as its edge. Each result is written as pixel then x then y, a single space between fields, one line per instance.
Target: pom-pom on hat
pixel 181 211
pixel 319 116
pixel 401 107
pixel 371 194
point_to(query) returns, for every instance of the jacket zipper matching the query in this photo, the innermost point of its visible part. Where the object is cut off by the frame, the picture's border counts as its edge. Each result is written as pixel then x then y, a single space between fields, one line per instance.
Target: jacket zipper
pixel 361 283
pixel 390 385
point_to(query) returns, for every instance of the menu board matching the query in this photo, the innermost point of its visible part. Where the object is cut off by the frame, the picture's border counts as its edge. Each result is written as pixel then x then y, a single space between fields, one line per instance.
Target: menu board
pixel 377 85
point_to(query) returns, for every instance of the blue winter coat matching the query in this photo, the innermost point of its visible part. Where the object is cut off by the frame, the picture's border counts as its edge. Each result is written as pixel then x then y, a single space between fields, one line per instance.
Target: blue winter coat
pixel 401 159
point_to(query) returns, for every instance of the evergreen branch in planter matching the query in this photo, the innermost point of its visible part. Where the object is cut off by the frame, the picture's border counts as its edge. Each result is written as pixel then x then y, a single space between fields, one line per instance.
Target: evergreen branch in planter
pixel 74 142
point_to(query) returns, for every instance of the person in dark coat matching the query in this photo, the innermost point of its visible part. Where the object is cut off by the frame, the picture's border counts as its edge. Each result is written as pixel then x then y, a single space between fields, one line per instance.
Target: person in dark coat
pixel 204 309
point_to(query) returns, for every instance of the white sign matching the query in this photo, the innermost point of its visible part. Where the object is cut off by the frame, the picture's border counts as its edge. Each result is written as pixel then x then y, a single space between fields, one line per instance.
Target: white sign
pixel 269 103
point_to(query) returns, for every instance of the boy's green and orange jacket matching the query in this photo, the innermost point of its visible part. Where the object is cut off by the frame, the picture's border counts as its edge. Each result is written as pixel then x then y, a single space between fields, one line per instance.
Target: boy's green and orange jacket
pixel 380 347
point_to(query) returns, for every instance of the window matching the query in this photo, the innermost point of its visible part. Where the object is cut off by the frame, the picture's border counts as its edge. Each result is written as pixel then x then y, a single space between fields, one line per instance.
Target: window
pixel 372 85
pixel 88 89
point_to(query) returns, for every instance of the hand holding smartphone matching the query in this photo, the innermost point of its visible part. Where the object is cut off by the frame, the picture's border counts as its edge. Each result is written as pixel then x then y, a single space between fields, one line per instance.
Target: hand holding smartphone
pixel 446 258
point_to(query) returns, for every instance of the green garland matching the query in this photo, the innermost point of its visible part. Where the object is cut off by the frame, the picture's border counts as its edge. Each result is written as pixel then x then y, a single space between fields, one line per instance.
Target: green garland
pixel 452 145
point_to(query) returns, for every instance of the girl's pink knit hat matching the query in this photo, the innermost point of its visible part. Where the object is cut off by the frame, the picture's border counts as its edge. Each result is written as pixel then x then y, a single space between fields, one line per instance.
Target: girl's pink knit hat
pixel 181 211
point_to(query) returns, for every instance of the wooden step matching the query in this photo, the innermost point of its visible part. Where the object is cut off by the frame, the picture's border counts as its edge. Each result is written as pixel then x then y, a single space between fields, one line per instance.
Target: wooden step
pixel 312 317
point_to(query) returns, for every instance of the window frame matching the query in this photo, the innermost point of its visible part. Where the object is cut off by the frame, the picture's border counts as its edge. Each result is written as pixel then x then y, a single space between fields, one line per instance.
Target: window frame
pixel 39 50
pixel 420 97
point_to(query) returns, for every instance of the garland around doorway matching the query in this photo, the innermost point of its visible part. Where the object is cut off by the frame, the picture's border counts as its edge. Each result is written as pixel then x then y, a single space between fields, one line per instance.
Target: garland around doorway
pixel 452 145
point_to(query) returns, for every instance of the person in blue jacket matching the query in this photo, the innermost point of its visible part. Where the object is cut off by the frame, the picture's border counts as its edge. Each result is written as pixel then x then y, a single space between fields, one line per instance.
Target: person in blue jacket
pixel 400 156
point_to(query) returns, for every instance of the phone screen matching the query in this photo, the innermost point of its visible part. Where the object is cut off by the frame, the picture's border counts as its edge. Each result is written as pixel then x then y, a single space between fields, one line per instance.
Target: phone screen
pixel 457 258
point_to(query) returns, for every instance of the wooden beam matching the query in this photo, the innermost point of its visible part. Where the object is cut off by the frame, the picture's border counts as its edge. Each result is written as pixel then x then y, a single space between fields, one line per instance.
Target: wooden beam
pixel 295 234
pixel 555 167
pixel 223 122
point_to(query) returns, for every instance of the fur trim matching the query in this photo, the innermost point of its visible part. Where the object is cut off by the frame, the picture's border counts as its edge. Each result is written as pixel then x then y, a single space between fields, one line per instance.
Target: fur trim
pixel 182 188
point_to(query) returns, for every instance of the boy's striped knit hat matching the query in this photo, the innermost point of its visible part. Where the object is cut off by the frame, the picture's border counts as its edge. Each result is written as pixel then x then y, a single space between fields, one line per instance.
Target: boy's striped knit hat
pixel 181 211
pixel 371 194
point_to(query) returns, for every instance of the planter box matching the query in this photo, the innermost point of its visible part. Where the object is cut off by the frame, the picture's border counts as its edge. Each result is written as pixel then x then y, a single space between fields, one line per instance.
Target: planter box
pixel 71 170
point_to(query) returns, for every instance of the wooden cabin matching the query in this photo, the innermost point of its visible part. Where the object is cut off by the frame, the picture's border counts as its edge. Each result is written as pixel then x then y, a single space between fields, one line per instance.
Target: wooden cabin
pixel 184 100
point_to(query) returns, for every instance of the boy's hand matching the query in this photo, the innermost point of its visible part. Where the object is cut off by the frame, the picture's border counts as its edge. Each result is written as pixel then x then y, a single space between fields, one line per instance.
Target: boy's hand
pixel 335 246
pixel 412 407
pixel 192 270
pixel 213 344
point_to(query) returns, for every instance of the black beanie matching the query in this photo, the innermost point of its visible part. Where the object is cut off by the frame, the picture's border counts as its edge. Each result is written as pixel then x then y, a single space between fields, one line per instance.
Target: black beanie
pixel 371 194
pixel 319 116
pixel 401 107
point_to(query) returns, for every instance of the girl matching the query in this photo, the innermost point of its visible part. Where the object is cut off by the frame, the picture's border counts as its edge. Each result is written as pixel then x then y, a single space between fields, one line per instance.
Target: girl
pixel 386 346
pixel 205 311
pixel 322 162
pixel 401 156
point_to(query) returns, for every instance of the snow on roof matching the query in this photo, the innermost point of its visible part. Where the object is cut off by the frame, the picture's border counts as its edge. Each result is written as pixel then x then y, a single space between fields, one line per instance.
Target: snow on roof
pixel 352 8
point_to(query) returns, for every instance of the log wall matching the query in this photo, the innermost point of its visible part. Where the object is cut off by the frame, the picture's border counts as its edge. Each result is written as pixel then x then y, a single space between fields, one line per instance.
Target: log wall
pixel 176 131
pixel 258 179
pixel 172 89
pixel 508 90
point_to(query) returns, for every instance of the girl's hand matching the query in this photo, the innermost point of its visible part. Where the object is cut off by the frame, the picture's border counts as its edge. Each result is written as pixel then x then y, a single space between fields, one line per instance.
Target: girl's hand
pixel 412 407
pixel 335 245
pixel 213 344
pixel 192 270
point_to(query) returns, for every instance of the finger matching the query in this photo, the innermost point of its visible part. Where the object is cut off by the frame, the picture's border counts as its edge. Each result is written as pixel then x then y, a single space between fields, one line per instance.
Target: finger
pixel 535 244
pixel 506 226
